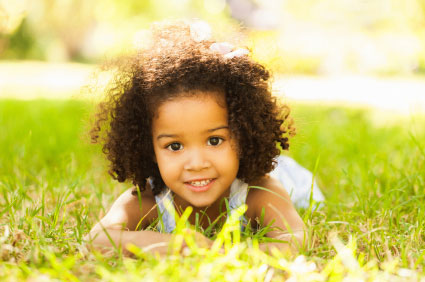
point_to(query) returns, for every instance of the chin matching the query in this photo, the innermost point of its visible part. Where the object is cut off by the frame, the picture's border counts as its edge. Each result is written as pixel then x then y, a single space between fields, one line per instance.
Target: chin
pixel 201 204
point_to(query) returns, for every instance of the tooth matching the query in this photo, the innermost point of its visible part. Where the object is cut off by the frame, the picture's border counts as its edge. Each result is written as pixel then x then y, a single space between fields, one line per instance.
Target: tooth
pixel 200 183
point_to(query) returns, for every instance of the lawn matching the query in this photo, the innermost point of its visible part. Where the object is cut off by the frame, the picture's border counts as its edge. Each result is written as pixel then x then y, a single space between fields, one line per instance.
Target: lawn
pixel 54 186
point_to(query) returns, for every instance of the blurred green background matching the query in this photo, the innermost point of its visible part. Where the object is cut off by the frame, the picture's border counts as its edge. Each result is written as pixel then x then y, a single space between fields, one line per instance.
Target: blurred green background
pixel 54 184
pixel 291 36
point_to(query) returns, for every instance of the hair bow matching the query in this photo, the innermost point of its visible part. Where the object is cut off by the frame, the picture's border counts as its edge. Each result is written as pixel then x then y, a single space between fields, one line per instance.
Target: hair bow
pixel 200 31
pixel 226 48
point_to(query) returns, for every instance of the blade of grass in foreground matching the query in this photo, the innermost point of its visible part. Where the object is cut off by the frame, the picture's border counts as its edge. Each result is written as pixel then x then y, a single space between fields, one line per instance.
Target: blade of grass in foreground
pixel 54 187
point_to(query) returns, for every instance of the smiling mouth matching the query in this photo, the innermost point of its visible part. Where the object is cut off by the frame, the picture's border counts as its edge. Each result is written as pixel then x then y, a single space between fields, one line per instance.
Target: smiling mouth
pixel 201 185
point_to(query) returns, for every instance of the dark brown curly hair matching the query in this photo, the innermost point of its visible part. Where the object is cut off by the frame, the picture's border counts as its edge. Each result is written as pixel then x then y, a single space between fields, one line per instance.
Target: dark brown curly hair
pixel 174 65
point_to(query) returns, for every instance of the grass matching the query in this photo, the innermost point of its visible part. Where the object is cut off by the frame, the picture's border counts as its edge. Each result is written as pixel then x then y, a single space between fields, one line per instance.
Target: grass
pixel 54 187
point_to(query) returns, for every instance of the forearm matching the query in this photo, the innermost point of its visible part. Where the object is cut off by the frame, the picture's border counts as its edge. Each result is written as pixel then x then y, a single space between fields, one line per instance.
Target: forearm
pixel 290 242
pixel 150 241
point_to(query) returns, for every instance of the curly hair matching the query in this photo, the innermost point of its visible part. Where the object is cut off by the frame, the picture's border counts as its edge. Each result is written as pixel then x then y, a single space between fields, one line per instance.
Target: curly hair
pixel 176 65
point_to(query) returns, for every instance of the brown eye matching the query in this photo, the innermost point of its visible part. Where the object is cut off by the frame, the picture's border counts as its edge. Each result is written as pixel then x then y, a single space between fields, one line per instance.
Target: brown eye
pixel 215 141
pixel 175 146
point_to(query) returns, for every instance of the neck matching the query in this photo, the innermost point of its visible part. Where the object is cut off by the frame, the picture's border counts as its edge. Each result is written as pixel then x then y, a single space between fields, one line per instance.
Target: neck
pixel 206 215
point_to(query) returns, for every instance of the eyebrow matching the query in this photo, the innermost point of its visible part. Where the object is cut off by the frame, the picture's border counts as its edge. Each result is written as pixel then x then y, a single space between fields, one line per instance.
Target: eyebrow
pixel 175 135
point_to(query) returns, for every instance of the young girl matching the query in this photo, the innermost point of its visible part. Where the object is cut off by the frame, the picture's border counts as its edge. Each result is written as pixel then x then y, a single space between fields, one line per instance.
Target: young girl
pixel 192 121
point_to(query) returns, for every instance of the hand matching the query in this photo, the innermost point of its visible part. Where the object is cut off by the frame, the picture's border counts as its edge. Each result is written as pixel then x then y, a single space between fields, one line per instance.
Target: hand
pixel 200 240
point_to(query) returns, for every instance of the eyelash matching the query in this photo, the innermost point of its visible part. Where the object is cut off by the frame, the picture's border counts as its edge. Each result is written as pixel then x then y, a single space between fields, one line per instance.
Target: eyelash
pixel 220 141
pixel 168 147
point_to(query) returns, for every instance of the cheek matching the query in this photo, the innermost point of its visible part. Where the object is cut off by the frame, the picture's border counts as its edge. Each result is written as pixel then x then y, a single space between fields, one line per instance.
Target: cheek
pixel 168 169
pixel 161 161
pixel 158 159
pixel 234 144
pixel 231 158
pixel 235 163
pixel 235 149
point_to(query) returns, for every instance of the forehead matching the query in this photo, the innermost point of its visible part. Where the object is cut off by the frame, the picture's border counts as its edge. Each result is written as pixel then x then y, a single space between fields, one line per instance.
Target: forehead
pixel 191 112
pixel 183 96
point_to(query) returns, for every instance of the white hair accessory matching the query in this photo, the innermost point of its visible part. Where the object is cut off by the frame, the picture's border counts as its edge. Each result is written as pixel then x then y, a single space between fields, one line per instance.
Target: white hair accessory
pixel 222 47
pixel 200 31
pixel 237 53
pixel 226 48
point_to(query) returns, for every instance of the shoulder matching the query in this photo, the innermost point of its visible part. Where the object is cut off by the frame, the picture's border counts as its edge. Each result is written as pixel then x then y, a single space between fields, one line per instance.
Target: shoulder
pixel 267 193
pixel 130 209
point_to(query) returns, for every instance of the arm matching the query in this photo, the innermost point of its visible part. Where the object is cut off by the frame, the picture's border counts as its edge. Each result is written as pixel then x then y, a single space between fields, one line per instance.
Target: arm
pixel 117 227
pixel 149 241
pixel 278 208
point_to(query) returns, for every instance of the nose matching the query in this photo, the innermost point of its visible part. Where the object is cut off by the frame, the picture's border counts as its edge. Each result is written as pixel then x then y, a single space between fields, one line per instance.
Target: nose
pixel 196 160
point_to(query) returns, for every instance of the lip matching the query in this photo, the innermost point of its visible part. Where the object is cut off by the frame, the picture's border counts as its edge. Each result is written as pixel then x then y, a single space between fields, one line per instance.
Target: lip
pixel 199 188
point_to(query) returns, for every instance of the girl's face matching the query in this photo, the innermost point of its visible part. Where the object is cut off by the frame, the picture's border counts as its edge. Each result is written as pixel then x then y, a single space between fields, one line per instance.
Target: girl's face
pixel 196 156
